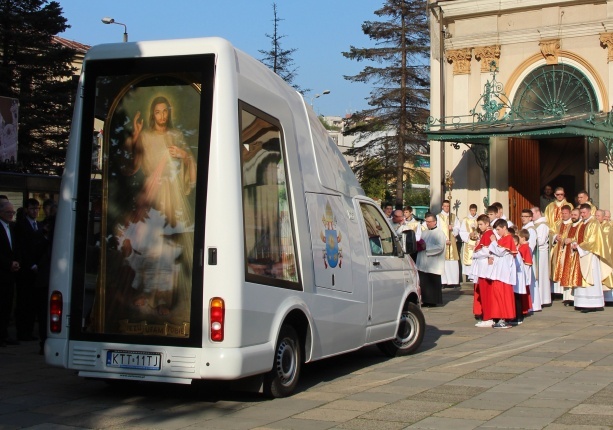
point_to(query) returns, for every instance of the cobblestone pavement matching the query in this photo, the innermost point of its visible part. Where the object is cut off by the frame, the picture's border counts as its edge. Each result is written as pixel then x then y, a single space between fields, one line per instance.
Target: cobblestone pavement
pixel 554 372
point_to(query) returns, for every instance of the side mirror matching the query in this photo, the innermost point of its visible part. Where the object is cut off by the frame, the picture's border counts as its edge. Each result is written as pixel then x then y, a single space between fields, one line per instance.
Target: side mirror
pixel 409 241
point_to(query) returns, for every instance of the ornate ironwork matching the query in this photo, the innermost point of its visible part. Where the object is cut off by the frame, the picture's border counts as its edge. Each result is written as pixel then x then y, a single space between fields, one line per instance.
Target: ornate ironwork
pixel 604 122
pixel 548 93
pixel 555 91
pixel 456 207
pixel 492 101
pixel 449 183
pixel 608 144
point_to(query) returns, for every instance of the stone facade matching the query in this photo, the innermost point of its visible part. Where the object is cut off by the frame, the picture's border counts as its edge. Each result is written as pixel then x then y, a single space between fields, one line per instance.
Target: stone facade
pixel 515 38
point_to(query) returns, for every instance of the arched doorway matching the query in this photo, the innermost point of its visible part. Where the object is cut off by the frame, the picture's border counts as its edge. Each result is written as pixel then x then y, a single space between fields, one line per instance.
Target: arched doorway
pixel 547 93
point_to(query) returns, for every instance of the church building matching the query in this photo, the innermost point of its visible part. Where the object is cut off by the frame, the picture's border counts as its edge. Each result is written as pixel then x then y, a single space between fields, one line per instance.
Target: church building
pixel 520 100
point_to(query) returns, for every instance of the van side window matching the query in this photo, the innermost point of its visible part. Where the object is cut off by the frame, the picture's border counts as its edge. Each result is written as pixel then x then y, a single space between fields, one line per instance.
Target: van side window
pixel 269 236
pixel 380 237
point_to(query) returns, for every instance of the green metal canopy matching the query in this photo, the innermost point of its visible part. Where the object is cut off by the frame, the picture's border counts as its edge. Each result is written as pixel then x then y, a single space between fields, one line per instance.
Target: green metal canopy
pixel 598 126
pixel 553 101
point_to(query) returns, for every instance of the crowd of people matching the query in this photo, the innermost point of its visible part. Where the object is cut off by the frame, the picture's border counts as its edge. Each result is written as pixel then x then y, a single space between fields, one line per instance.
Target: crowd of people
pixel 25 257
pixel 558 251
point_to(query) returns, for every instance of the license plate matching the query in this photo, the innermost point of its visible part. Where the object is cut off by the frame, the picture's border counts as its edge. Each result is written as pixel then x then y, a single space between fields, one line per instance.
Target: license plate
pixel 134 360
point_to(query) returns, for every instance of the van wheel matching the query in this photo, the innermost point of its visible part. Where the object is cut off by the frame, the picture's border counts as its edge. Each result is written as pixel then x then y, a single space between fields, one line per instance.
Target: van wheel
pixel 410 333
pixel 283 378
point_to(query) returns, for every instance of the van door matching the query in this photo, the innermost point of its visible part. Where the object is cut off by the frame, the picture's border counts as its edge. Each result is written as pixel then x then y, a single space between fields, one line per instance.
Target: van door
pixel 386 267
pixel 330 241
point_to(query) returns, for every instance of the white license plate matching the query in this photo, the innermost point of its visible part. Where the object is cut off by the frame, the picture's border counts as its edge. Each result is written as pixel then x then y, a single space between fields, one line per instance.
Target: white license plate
pixel 134 360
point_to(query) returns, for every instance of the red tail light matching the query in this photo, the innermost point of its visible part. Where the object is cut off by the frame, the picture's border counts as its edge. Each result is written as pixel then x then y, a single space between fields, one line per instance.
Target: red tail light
pixel 55 312
pixel 217 313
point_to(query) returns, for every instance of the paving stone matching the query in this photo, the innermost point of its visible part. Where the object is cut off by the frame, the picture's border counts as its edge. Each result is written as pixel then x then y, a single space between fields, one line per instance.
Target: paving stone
pixel 363 424
pixel 354 405
pixel 593 409
pixel 497 376
pixel 396 415
pixel 445 424
pixel 294 424
pixel 327 414
pixel 556 426
pixel 375 396
pixel 468 413
pixel 585 419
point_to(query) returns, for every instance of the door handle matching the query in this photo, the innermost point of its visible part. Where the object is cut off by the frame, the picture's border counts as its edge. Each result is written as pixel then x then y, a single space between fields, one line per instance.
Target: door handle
pixel 376 263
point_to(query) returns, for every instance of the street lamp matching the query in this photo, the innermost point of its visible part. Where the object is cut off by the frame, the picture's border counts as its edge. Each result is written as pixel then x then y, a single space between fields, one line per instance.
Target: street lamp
pixel 108 20
pixel 316 96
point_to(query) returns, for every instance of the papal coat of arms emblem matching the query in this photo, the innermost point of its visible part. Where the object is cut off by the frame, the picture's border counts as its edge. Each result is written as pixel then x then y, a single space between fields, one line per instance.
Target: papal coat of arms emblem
pixel 333 253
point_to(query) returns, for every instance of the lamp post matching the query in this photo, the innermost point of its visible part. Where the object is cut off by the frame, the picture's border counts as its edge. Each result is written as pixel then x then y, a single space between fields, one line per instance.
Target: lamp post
pixel 316 96
pixel 108 20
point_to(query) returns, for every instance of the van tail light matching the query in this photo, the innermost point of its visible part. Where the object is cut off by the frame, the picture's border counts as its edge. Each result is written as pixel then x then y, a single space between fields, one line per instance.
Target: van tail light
pixel 56 305
pixel 217 313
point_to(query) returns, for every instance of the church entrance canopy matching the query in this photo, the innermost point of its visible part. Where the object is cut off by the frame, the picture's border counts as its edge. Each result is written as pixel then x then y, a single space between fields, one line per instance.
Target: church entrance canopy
pixel 553 101
pixel 595 125
pixel 554 104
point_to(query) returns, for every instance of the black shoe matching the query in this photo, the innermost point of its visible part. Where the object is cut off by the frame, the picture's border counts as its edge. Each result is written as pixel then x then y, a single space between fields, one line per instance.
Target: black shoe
pixel 589 310
pixel 11 342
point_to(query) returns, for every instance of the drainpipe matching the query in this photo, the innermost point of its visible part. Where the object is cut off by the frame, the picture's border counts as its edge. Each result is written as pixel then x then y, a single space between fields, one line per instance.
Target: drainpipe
pixel 442 94
pixel 436 8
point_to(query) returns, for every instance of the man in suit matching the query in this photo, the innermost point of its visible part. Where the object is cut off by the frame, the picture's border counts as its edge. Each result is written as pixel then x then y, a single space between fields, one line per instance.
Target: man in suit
pixel 30 240
pixel 9 266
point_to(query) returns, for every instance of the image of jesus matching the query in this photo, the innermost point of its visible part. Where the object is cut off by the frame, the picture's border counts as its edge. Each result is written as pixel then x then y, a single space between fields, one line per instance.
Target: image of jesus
pixel 153 240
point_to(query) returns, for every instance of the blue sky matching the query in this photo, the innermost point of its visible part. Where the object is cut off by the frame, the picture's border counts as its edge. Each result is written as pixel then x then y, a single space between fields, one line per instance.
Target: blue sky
pixel 319 30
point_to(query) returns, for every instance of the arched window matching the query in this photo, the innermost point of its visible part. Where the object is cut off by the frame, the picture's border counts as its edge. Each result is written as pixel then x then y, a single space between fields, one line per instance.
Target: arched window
pixel 554 91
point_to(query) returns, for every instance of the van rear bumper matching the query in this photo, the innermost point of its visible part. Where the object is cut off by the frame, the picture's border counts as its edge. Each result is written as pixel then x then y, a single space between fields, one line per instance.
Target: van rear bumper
pixel 178 364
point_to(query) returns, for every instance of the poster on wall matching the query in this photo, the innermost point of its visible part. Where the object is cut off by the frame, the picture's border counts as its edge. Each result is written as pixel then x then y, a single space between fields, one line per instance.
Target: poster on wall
pixel 9 114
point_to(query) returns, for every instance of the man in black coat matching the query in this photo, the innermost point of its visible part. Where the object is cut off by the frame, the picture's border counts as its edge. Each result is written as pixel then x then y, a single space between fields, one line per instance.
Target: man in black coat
pixel 9 266
pixel 31 247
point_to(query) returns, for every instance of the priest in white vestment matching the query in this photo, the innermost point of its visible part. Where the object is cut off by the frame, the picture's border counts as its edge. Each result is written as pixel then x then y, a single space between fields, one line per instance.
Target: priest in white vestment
pixel 527 224
pixel 431 262
pixel 542 255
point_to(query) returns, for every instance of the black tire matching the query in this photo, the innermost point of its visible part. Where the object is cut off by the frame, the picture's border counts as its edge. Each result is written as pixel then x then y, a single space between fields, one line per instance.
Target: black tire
pixel 283 377
pixel 410 333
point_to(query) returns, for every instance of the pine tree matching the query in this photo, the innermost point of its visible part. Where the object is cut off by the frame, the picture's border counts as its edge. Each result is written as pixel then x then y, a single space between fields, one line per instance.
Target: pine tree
pixel 393 125
pixel 37 71
pixel 280 60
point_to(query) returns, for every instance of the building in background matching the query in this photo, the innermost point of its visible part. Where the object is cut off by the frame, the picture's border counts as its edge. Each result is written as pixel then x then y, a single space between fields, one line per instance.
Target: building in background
pixel 19 186
pixel 418 177
pixel 519 100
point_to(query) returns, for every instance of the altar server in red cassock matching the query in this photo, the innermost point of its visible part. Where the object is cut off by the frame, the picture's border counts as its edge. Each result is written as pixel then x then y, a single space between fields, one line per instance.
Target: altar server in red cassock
pixel 504 276
pixel 482 273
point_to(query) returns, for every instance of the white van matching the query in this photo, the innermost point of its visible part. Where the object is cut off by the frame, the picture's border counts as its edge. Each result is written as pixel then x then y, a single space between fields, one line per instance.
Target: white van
pixel 209 228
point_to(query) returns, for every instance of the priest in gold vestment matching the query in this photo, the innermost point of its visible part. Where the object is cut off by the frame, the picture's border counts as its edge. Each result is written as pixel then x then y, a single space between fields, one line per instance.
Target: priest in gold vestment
pixel 594 260
pixel 469 235
pixel 607 236
pixel 553 211
pixel 558 249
